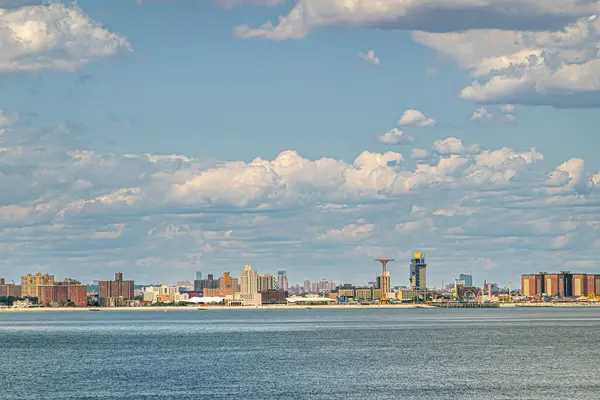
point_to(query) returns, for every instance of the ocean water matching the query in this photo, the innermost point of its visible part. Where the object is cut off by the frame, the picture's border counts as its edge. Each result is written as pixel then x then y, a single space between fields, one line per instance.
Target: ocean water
pixel 302 354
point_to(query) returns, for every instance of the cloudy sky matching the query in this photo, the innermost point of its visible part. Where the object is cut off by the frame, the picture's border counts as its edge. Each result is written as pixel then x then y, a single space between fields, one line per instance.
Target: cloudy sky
pixel 161 137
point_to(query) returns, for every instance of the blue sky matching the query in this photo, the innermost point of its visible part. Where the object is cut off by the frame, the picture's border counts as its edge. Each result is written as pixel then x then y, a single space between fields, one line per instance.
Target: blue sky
pixel 131 132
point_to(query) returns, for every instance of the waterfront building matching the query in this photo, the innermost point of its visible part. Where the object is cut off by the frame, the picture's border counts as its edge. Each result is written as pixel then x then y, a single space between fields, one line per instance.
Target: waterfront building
pixel 467 279
pixel 408 295
pixel 562 284
pixel 30 284
pixel 208 283
pixel 248 294
pixel 364 293
pixel 266 282
pixel 346 291
pixel 273 296
pixel 314 287
pixel 117 292
pixel 9 290
pixel 64 293
pixel 418 272
pixel 164 294
pixel 282 280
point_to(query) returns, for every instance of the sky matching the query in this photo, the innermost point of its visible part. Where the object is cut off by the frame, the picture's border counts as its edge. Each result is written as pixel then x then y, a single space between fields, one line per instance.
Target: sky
pixel 163 137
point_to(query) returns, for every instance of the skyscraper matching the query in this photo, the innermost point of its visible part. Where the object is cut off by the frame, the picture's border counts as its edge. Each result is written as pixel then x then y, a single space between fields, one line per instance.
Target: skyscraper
pixel 249 287
pixel 198 276
pixel 418 272
pixel 282 281
pixel 266 282
pixel 467 279
pixel 307 286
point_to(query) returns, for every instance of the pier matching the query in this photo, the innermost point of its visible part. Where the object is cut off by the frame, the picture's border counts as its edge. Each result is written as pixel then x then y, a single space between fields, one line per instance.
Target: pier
pixel 466 305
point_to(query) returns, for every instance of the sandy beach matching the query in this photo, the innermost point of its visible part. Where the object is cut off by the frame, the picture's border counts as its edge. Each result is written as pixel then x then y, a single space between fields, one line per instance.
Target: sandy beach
pixel 274 307
pixel 212 308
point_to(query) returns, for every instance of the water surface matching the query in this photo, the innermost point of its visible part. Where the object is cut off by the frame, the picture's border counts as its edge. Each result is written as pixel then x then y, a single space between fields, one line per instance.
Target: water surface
pixel 295 354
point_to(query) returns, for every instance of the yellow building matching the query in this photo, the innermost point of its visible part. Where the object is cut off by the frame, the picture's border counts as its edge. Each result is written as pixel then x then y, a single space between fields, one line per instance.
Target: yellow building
pixel 346 292
pixel 407 295
pixel 364 293
pixel 30 284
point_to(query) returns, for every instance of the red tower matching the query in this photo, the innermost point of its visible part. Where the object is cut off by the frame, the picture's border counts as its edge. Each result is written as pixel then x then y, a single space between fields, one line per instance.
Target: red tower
pixel 384 287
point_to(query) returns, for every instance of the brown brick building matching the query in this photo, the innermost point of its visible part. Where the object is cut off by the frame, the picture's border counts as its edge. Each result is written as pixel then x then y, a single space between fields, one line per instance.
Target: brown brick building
pixel 274 296
pixel 9 290
pixel 62 293
pixel 111 293
pixel 563 284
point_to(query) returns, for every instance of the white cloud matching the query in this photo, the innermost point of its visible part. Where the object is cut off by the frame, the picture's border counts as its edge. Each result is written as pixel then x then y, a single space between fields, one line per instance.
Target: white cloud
pixel 560 68
pixel 416 118
pixel 395 136
pixel 348 232
pixel 370 58
pixel 412 226
pixel 454 145
pixel 482 114
pixel 570 176
pixel 419 154
pixel 53 36
pixel 73 208
pixel 426 15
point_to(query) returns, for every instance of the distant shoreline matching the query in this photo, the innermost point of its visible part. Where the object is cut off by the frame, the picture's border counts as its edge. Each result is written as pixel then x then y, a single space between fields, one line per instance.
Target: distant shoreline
pixel 277 307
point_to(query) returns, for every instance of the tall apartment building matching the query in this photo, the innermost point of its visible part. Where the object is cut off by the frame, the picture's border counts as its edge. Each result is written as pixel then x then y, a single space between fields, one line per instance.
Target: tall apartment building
pixel 266 282
pixel 30 284
pixel 562 284
pixel 467 279
pixel 249 287
pixel 307 286
pixel 9 290
pixel 208 283
pixel 418 272
pixel 225 286
pixel 62 293
pixel 282 280
pixel 112 293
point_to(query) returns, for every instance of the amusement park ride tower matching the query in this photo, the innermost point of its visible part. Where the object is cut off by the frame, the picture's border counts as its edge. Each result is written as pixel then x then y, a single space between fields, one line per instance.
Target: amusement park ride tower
pixel 384 286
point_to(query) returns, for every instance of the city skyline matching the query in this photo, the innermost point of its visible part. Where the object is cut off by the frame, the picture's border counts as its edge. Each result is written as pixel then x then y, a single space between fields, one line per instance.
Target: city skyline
pixel 312 144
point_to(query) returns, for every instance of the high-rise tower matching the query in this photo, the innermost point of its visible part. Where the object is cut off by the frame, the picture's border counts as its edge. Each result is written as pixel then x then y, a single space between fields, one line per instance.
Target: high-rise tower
pixel 418 272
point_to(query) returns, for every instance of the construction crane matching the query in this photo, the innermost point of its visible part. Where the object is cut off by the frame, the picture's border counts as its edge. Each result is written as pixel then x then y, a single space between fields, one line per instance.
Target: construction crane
pixel 384 282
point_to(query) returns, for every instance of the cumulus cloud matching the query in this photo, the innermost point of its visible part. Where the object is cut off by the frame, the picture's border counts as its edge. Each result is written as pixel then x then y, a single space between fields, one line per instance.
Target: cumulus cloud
pixel 395 136
pixel 149 213
pixel 351 231
pixel 454 145
pixel 559 68
pixel 53 36
pixel 416 118
pixel 419 154
pixel 428 15
pixel 370 58
pixel 482 114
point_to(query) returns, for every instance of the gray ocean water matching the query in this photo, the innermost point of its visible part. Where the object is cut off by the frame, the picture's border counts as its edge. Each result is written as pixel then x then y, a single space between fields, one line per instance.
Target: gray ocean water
pixel 298 354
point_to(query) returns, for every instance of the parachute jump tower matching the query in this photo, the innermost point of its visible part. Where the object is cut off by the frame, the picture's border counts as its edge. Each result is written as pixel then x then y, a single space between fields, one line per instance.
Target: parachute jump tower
pixel 384 285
